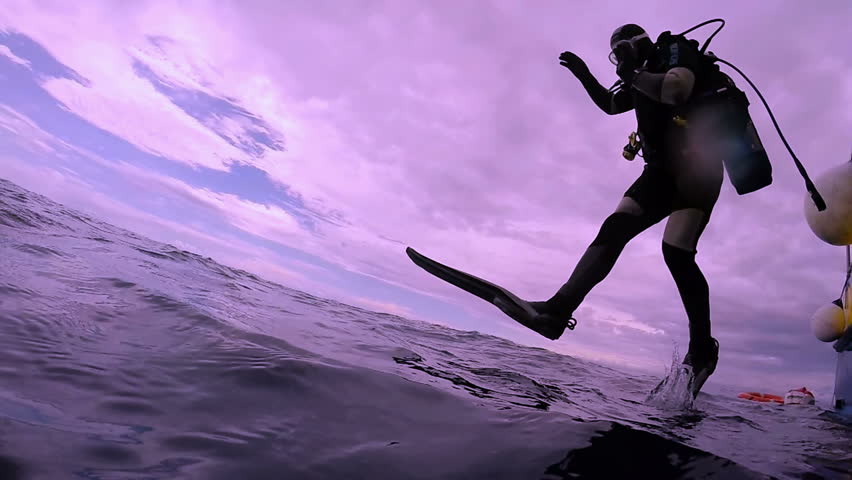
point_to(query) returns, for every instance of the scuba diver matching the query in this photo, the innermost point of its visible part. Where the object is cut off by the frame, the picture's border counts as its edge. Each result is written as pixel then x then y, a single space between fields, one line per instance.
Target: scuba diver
pixel 681 180
pixel 693 125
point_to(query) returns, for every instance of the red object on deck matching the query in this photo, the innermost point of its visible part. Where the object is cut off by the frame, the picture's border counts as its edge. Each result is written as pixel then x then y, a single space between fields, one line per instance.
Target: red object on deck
pixel 761 397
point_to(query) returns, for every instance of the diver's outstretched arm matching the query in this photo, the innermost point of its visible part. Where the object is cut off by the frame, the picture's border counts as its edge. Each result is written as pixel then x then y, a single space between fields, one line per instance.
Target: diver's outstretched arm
pixel 612 103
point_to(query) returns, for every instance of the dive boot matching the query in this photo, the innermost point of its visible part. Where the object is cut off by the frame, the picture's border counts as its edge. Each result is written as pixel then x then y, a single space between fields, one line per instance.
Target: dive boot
pixel 547 323
pixel 703 365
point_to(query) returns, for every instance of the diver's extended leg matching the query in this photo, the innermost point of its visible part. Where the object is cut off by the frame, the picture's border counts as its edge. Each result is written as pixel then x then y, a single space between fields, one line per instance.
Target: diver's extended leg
pixel 628 221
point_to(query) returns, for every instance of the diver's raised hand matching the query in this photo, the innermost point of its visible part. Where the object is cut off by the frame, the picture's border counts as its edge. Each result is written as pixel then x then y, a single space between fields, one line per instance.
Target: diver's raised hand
pixel 574 63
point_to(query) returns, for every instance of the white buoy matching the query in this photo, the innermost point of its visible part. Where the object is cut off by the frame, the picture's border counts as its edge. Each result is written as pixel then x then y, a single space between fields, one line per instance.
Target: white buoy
pixel 834 224
pixel 828 323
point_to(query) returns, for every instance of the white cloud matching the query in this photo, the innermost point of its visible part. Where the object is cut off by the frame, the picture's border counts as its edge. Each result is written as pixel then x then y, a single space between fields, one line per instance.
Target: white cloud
pixel 117 100
pixel 129 107
pixel 384 306
pixel 24 133
pixel 4 51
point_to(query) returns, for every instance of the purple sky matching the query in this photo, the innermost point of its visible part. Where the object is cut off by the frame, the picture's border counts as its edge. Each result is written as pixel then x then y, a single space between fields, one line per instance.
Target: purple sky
pixel 311 141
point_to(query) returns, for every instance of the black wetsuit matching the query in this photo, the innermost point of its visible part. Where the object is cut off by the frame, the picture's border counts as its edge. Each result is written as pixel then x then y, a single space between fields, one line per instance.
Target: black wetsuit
pixel 679 175
pixel 664 141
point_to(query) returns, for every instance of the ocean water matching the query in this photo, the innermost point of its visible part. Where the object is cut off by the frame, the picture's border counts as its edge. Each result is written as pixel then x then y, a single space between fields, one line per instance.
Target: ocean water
pixel 124 358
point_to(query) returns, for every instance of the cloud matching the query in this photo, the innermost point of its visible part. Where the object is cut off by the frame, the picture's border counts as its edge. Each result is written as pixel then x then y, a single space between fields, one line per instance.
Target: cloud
pixel 115 98
pixel 4 51
pixel 383 306
pixel 24 133
pixel 123 104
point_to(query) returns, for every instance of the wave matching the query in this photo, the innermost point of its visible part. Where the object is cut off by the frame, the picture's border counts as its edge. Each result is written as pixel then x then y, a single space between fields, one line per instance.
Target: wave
pixel 121 357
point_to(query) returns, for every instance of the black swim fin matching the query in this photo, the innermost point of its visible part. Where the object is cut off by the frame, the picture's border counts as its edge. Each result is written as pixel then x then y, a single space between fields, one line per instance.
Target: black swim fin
pixel 515 308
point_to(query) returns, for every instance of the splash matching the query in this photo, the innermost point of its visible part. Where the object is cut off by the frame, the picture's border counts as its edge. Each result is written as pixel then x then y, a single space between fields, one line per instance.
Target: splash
pixel 672 393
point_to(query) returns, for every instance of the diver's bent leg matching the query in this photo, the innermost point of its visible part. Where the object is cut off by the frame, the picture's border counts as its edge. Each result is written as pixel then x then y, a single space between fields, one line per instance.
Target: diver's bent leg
pixel 599 258
pixel 694 292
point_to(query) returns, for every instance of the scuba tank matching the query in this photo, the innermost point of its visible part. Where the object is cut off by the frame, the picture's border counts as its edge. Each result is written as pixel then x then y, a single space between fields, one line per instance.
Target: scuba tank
pixel 743 155
pixel 747 163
